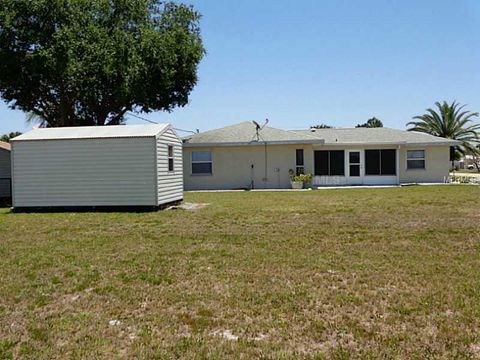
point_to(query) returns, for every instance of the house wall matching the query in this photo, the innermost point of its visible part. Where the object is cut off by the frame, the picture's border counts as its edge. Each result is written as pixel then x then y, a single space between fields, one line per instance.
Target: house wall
pixel 84 172
pixel 5 173
pixel 170 183
pixel 232 167
pixel 437 165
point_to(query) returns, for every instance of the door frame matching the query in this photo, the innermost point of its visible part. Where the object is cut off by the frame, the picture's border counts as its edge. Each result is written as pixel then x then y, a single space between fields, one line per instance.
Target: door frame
pixel 355 180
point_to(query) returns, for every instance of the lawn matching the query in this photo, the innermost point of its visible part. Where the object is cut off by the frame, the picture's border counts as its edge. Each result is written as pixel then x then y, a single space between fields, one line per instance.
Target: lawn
pixel 363 273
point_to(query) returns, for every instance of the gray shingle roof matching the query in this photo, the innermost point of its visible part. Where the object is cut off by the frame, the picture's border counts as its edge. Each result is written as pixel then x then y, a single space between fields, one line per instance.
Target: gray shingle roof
pixel 93 132
pixel 244 133
pixel 375 136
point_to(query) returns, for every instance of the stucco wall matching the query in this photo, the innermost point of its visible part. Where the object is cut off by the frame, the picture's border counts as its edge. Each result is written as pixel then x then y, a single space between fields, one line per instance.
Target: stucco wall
pixel 232 167
pixel 437 165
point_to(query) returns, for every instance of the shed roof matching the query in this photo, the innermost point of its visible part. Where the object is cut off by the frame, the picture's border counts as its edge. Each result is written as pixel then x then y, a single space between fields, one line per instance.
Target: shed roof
pixel 93 132
pixel 375 136
pixel 245 133
pixel 5 146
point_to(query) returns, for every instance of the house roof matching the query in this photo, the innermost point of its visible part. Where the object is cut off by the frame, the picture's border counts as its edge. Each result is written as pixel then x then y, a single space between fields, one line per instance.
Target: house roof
pixel 5 146
pixel 363 136
pixel 93 132
pixel 244 133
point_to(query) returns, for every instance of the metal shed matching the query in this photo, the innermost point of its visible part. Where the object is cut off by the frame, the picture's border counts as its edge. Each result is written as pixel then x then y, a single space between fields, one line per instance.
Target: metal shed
pixel 5 176
pixel 108 166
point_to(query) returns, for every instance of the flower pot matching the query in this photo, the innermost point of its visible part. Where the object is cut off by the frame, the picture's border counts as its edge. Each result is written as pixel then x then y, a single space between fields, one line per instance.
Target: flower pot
pixel 297 185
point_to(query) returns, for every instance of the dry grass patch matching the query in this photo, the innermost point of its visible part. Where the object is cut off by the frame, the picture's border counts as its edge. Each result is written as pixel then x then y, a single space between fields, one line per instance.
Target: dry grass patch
pixel 363 273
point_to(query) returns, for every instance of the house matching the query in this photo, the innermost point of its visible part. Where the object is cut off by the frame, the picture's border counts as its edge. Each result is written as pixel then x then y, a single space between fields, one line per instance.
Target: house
pixel 108 166
pixel 5 176
pixel 241 157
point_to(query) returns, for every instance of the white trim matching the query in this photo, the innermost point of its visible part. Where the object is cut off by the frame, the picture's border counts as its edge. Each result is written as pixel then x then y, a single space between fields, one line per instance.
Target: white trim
pixel 169 145
pixel 354 180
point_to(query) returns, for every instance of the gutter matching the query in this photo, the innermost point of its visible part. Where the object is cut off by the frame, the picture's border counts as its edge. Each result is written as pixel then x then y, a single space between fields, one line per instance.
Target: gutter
pixel 256 143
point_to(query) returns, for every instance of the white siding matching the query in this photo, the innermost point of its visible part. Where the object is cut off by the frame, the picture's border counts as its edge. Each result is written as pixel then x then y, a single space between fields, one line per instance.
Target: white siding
pixel 84 172
pixel 4 173
pixel 170 184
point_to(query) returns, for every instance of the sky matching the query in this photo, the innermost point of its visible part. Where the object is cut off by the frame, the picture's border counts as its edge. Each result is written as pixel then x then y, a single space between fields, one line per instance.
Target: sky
pixel 301 63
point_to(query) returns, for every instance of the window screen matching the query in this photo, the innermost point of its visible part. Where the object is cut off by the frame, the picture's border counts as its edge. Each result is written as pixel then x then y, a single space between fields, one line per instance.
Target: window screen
pixel 337 162
pixel 329 163
pixel 381 162
pixel 388 164
pixel 372 162
pixel 321 162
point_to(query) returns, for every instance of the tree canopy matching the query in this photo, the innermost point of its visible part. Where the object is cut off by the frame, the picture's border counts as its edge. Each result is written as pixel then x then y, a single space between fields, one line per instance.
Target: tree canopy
pixel 88 62
pixel 321 126
pixel 371 123
pixel 11 135
pixel 450 121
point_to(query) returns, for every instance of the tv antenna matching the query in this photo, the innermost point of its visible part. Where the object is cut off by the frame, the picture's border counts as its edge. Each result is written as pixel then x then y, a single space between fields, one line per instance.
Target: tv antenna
pixel 259 127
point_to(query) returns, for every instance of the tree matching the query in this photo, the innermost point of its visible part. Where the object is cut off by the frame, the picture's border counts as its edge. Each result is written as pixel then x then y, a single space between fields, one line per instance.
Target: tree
pixel 89 62
pixel 321 126
pixel 7 137
pixel 371 123
pixel 452 122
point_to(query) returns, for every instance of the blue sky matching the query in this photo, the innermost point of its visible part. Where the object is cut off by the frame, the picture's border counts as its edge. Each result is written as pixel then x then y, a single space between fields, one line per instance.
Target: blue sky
pixel 306 62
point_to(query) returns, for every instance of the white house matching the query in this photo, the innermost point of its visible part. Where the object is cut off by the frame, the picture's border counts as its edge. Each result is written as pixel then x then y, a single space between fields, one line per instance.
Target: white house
pixel 240 157
pixel 5 176
pixel 108 166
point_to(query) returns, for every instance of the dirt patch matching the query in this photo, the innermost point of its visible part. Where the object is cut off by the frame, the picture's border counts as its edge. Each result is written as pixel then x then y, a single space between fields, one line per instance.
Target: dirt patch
pixel 188 206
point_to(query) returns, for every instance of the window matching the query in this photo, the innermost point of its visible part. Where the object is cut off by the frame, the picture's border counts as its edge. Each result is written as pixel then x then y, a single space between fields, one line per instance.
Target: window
pixel 202 162
pixel 381 162
pixel 170 158
pixel 415 159
pixel 299 165
pixel 329 162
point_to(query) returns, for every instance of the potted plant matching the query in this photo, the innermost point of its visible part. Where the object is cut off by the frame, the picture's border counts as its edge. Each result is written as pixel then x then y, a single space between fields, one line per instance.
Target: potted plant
pixel 297 181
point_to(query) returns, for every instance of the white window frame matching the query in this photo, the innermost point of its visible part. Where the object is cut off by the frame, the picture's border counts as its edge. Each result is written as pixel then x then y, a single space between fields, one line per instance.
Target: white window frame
pixel 170 146
pixel 201 162
pixel 424 159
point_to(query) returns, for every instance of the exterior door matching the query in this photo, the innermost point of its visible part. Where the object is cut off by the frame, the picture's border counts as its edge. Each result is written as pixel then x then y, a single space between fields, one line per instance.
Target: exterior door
pixel 355 167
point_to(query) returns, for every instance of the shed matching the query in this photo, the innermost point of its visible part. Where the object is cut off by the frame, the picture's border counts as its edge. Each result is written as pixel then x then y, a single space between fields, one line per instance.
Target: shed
pixel 5 171
pixel 104 166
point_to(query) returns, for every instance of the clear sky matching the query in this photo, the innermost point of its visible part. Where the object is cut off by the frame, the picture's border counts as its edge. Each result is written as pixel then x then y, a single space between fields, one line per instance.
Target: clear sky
pixel 301 63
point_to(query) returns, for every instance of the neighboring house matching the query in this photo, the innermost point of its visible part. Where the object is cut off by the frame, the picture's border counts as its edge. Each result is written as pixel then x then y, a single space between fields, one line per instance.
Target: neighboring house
pixel 95 166
pixel 237 157
pixel 5 170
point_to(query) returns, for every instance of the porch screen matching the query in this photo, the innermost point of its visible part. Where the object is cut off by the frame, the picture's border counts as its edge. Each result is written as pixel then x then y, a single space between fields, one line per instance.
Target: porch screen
pixel 381 162
pixel 329 162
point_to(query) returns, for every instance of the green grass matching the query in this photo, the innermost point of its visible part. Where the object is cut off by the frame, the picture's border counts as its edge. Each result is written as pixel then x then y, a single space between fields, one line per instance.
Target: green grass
pixel 363 273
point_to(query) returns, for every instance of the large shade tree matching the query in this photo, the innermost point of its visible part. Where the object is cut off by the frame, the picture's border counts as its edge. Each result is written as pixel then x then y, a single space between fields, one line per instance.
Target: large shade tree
pixel 89 62
pixel 371 123
pixel 450 121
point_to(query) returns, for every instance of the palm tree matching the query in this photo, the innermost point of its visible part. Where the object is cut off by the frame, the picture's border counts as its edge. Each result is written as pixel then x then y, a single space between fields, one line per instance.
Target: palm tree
pixel 452 122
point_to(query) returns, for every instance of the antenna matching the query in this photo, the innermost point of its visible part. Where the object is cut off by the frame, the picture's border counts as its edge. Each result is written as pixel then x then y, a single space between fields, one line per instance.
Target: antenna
pixel 258 127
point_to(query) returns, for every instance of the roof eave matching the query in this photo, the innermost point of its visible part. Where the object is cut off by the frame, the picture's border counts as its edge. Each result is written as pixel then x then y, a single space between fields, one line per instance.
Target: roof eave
pixel 403 143
pixel 253 143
